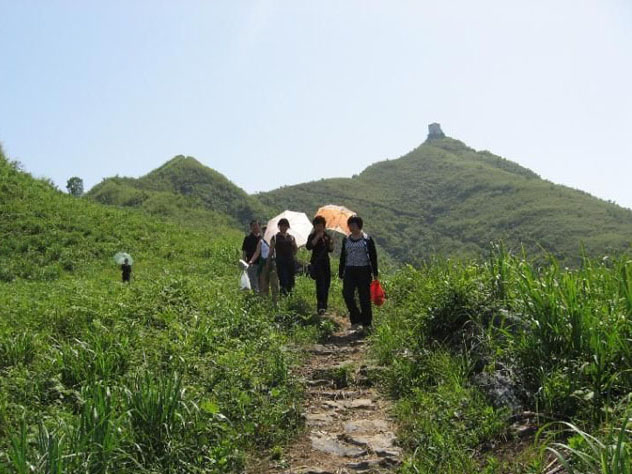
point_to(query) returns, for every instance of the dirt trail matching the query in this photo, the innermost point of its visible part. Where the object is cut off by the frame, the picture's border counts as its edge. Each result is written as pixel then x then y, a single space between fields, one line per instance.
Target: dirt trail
pixel 348 428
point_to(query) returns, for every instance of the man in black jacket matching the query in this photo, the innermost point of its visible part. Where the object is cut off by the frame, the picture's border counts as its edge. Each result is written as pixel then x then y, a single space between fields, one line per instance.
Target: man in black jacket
pixel 248 249
pixel 358 267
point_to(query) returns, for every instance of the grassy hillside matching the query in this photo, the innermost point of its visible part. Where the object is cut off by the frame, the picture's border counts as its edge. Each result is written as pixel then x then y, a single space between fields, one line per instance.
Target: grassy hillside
pixel 444 198
pixel 182 372
pixel 177 372
pixel 481 355
pixel 185 189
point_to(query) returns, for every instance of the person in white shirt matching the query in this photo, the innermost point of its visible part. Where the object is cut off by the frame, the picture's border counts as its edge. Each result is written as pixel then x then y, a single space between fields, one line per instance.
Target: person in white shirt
pixel 268 279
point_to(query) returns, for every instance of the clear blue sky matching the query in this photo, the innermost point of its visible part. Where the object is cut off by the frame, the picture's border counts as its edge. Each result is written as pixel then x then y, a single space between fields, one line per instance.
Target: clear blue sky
pixel 281 92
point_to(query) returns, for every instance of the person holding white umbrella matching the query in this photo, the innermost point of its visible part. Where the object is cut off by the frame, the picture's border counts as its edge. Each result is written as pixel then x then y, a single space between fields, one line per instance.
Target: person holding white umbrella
pixel 283 249
pixel 125 261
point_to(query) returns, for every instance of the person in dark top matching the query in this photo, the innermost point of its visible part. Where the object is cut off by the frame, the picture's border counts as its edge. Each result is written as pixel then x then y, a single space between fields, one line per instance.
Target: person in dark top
pixel 248 249
pixel 358 266
pixel 321 246
pixel 283 248
pixel 126 268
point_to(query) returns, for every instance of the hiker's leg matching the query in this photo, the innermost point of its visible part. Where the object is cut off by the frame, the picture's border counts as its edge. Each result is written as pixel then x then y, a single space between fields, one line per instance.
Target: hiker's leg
pixel 253 277
pixel 364 291
pixel 319 282
pixel 291 275
pixel 274 282
pixel 264 279
pixel 348 292
pixel 323 281
pixel 282 271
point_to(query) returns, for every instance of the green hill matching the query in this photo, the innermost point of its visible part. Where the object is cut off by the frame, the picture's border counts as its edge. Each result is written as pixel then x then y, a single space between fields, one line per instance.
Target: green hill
pixel 179 371
pixel 182 188
pixel 47 233
pixel 444 198
pixel 441 199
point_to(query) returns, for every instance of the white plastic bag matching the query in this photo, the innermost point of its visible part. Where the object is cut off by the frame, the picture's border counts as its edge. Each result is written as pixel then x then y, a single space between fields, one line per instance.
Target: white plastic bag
pixel 245 281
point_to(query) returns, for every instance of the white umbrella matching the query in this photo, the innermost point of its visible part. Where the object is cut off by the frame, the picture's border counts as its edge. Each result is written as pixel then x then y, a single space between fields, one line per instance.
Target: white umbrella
pixel 120 257
pixel 300 226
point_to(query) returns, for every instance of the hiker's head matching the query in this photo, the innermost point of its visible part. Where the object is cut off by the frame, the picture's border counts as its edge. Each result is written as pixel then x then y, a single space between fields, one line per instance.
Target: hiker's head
pixel 126 261
pixel 319 223
pixel 284 225
pixel 355 223
pixel 254 227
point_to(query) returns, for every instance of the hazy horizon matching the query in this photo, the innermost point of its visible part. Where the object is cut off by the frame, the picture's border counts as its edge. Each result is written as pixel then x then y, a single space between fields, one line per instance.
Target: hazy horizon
pixel 279 93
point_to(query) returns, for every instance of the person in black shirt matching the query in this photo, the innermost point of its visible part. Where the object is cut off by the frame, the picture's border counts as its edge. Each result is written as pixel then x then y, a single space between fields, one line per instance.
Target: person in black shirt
pixel 283 248
pixel 358 267
pixel 248 249
pixel 126 268
pixel 321 245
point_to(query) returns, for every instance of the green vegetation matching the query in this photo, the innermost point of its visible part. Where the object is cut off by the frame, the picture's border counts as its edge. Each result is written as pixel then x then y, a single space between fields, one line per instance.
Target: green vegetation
pixel 177 372
pixel 469 346
pixel 181 372
pixel 184 189
pixel 445 199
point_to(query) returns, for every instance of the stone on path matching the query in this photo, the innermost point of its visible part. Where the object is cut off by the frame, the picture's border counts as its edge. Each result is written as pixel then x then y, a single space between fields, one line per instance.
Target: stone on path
pixel 322 350
pixel 364 426
pixel 335 395
pixel 359 403
pixel 375 442
pixel 389 452
pixel 334 405
pixel 318 419
pixel 314 470
pixel 330 445
pixel 364 465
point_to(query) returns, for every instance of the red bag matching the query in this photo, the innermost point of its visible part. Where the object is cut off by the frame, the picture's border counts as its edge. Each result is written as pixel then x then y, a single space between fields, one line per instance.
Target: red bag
pixel 377 293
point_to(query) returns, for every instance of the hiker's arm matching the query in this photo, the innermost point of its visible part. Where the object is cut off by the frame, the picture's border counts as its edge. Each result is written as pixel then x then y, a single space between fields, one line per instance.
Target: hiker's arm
pixel 330 244
pixel 373 256
pixel 312 240
pixel 244 257
pixel 294 246
pixel 271 251
pixel 343 259
pixel 255 256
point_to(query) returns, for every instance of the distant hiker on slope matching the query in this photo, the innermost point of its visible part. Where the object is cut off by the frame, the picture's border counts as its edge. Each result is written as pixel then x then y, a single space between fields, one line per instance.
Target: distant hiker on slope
pixel 321 246
pixel 267 268
pixel 283 249
pixel 248 249
pixel 126 269
pixel 358 266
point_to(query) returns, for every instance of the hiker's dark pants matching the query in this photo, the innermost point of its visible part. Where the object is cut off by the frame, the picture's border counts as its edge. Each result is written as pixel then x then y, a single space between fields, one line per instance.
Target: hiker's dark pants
pixel 285 271
pixel 323 282
pixel 358 278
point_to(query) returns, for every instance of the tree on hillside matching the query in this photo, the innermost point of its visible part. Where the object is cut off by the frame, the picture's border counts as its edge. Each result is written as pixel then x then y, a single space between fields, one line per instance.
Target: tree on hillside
pixel 75 186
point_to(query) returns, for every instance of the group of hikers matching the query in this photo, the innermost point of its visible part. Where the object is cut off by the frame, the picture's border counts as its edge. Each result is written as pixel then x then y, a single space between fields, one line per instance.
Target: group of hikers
pixel 273 266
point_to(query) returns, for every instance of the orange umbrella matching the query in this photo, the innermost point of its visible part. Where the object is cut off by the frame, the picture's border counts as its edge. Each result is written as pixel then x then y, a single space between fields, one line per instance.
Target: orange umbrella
pixel 336 217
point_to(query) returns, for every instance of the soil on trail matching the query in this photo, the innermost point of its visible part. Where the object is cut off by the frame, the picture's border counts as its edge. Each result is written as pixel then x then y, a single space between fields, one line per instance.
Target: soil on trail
pixel 348 428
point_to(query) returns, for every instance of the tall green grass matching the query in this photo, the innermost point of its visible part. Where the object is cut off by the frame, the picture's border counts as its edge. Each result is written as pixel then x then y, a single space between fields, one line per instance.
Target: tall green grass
pixel 563 337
